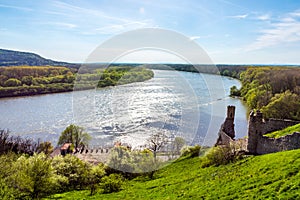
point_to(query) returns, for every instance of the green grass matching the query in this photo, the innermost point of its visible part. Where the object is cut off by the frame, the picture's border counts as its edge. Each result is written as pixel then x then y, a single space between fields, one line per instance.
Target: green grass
pixel 284 132
pixel 271 176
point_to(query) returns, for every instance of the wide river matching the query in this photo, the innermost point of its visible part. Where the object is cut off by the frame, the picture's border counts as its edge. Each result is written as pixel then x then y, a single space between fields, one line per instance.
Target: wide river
pixel 184 104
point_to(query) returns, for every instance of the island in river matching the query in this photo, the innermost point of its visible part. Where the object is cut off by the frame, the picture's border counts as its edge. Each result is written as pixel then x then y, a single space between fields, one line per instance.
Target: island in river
pixel 33 80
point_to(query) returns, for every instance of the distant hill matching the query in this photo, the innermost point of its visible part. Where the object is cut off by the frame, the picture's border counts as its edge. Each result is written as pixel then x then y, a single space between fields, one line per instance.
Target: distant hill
pixel 17 58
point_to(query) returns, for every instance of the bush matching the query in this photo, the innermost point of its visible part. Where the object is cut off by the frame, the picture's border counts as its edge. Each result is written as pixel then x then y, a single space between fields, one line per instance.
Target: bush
pixel 74 172
pixel 191 151
pixel 222 155
pixel 34 177
pixel 235 92
pixel 111 183
pixel 12 82
pixel 95 175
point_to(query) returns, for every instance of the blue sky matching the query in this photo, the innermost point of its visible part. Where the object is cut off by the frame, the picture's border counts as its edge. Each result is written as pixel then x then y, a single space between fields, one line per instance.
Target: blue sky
pixel 230 31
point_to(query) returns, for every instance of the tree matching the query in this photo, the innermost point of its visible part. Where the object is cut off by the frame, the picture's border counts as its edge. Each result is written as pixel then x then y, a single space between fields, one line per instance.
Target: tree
pixel 95 175
pixel 12 82
pixel 156 142
pixel 284 106
pixel 27 80
pixel 45 147
pixel 178 143
pixel 234 91
pixel 75 135
pixel 34 176
pixel 74 172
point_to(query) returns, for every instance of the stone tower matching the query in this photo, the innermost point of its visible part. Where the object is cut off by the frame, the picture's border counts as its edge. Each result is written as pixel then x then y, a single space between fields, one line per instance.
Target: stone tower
pixel 228 126
pixel 226 132
pixel 255 130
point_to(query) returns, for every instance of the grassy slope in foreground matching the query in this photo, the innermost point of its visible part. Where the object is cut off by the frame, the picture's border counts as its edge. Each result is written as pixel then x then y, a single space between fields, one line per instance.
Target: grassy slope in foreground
pixel 284 132
pixel 271 176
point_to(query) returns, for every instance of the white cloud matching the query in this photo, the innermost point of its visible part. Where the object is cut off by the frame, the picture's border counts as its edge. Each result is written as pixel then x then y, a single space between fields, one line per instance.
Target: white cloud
pixel 194 37
pixel 199 37
pixel 118 28
pixel 16 7
pixel 264 17
pixel 64 25
pixel 81 11
pixel 285 30
pixel 101 22
pixel 239 16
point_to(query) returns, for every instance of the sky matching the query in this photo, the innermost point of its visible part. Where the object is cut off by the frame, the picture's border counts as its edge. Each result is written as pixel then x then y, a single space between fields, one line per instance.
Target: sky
pixel 229 31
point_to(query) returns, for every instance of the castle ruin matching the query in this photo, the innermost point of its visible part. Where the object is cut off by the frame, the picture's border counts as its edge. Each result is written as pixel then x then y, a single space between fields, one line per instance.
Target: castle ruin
pixel 257 143
pixel 226 132
pixel 260 144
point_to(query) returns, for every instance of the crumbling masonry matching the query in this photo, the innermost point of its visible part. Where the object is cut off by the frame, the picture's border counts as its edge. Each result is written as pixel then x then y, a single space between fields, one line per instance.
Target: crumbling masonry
pixel 260 144
pixel 257 143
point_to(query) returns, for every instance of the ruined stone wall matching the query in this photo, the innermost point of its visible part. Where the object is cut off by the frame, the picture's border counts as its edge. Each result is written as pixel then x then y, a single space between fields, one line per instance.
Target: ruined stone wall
pixel 259 144
pixel 223 139
pixel 270 145
pixel 272 125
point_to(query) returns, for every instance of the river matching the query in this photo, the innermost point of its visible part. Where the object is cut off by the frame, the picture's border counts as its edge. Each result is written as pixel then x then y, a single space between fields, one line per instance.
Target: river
pixel 189 105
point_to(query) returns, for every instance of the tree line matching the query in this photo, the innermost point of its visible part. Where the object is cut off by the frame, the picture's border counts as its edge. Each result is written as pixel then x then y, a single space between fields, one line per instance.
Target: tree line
pixel 273 90
pixel 31 80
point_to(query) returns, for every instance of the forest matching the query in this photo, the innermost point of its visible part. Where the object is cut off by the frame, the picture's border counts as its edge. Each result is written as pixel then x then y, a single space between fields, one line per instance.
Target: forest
pixel 273 90
pixel 32 80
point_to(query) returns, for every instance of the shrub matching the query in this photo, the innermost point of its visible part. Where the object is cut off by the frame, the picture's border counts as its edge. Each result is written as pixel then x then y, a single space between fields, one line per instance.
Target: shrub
pixel 222 155
pixel 34 177
pixel 234 91
pixel 12 82
pixel 74 172
pixel 111 183
pixel 191 151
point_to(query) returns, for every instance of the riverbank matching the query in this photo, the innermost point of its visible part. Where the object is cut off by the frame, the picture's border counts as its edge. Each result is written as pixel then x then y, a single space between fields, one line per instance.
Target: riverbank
pixel 37 80
pixel 173 102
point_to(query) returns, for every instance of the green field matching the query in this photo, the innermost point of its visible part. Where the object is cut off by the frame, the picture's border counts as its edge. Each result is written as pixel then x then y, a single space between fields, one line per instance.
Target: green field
pixel 272 176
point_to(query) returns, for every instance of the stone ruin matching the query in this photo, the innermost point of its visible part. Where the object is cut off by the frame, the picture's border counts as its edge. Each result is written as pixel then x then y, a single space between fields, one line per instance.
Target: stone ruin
pixel 260 144
pixel 257 143
pixel 226 132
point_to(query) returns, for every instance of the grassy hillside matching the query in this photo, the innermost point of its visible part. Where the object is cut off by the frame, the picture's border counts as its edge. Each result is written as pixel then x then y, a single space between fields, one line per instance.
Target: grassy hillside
pixel 272 176
pixel 284 132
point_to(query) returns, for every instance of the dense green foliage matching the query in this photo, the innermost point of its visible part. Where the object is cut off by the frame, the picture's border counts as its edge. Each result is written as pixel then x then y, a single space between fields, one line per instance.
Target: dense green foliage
pixel 111 76
pixel 193 151
pixel 75 135
pixel 272 176
pixel 37 176
pixel 284 132
pixel 273 90
pixel 31 80
pixel 16 144
pixel 132 163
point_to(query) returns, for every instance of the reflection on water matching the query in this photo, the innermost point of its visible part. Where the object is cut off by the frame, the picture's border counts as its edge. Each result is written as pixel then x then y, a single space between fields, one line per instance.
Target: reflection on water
pixel 176 103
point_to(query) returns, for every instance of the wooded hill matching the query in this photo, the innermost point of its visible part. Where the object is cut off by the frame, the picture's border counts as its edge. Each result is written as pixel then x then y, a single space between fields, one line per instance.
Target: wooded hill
pixel 273 90
pixel 18 58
